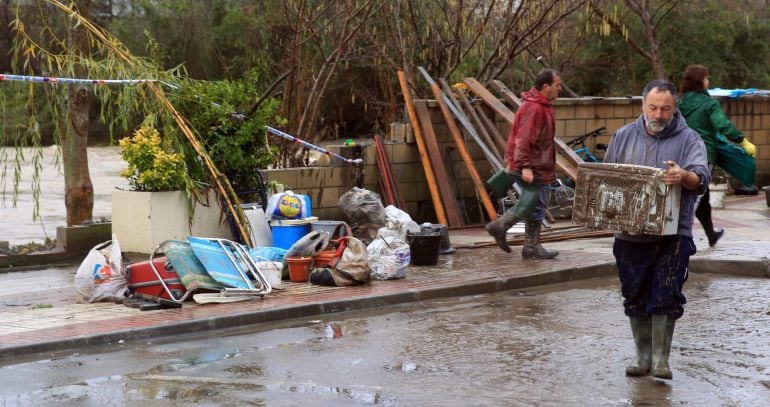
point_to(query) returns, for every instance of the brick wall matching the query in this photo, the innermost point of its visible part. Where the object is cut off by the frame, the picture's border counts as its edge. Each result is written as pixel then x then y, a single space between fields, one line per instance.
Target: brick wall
pixel 573 117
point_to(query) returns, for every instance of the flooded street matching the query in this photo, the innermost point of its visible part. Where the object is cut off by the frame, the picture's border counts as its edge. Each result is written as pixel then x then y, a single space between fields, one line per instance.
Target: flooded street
pixel 18 227
pixel 558 345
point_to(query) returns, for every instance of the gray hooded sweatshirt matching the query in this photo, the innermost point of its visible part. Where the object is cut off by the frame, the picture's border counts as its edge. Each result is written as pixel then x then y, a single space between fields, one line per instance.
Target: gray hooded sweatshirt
pixel 632 145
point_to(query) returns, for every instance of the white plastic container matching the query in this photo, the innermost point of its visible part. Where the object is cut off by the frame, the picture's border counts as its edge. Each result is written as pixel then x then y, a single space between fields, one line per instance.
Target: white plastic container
pixel 717 194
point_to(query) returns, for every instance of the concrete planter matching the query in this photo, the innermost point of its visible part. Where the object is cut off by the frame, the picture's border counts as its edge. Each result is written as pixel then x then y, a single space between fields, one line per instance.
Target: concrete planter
pixel 142 220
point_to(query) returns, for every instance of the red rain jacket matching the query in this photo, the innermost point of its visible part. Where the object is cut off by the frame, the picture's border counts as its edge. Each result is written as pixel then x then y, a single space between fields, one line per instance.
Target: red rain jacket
pixel 530 143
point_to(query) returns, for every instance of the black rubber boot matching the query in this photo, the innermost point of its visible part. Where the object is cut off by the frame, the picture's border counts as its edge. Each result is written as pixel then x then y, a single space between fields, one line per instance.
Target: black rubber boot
pixel 498 228
pixel 714 236
pixel 641 328
pixel 703 213
pixel 532 247
pixel 662 333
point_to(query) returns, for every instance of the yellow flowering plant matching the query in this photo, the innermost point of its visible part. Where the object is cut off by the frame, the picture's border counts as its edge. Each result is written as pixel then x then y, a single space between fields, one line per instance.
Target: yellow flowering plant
pixel 150 166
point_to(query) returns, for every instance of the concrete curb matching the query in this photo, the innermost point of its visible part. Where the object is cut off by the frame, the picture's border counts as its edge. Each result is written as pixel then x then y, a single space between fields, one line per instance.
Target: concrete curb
pixel 34 261
pixel 316 309
pixel 740 268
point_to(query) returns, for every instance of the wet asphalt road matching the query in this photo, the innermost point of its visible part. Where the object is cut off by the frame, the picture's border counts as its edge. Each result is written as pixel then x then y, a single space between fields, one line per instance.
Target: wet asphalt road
pixel 557 345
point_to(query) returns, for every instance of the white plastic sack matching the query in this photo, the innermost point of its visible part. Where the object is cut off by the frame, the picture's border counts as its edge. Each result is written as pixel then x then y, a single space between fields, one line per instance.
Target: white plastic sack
pixel 401 221
pixel 286 205
pixel 100 276
pixel 389 257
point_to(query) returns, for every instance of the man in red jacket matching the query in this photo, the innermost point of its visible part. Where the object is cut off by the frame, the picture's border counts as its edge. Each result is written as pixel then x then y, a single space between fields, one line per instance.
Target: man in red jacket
pixel 531 159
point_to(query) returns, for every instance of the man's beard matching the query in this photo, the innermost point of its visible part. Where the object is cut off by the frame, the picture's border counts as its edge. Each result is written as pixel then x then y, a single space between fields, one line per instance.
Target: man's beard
pixel 655 126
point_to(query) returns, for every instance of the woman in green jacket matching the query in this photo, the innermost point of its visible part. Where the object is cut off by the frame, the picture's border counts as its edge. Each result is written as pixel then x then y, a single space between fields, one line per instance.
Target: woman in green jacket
pixel 704 115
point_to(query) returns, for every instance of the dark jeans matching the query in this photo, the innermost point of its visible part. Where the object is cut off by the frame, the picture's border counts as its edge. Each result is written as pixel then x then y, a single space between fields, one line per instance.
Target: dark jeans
pixel 703 209
pixel 703 212
pixel 652 275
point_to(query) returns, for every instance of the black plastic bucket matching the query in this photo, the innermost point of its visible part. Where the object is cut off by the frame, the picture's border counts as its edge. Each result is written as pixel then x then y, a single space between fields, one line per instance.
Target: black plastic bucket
pixel 446 245
pixel 424 247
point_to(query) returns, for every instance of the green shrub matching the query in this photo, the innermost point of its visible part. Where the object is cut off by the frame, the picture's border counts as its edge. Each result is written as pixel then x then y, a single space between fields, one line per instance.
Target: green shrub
pixel 150 166
pixel 229 126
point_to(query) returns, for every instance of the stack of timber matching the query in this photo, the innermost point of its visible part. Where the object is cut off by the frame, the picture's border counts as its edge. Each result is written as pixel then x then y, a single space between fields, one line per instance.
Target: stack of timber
pixel 469 110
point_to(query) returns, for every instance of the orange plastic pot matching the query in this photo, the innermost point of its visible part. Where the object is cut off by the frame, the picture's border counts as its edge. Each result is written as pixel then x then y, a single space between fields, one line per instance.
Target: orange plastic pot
pixel 299 268
pixel 324 258
pixel 328 257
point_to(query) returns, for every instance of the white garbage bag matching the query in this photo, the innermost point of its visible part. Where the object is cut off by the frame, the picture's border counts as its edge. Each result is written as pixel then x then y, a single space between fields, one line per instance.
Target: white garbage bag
pixel 100 276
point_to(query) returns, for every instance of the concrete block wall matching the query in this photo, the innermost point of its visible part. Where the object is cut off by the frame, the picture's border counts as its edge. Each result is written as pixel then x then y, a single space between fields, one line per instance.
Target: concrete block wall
pixel 574 117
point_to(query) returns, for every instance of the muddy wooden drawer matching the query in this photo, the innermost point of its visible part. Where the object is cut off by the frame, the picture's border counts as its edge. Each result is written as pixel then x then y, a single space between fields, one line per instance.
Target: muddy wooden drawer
pixel 625 198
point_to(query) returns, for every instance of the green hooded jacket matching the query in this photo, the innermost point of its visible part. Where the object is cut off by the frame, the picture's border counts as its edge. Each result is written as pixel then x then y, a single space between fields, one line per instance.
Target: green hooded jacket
pixel 704 115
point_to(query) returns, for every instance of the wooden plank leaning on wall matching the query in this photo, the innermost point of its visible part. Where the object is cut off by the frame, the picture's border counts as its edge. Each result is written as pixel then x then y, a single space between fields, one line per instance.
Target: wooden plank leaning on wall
pixel 460 144
pixel 447 212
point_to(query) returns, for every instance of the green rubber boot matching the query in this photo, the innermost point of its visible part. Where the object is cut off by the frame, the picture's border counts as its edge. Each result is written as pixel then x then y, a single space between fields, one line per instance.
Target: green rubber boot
pixel 532 247
pixel 498 228
pixel 662 332
pixel 641 328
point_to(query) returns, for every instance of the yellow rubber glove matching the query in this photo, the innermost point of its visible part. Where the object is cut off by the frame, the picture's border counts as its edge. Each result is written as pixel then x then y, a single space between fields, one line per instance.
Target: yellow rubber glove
pixel 460 86
pixel 751 149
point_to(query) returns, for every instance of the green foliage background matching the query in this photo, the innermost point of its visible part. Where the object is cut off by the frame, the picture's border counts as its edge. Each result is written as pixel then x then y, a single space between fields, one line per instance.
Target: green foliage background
pixel 238 48
pixel 235 141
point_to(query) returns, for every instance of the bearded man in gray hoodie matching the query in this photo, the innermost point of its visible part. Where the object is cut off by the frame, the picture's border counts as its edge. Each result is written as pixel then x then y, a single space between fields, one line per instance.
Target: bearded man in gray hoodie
pixel 653 269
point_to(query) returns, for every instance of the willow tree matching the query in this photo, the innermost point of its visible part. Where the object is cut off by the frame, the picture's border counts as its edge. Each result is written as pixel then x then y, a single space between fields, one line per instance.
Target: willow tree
pixel 115 62
pixel 78 189
pixel 58 40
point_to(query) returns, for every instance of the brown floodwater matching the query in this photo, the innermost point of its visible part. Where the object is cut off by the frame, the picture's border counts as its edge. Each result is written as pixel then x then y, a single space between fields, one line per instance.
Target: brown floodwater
pixel 18 226
pixel 557 345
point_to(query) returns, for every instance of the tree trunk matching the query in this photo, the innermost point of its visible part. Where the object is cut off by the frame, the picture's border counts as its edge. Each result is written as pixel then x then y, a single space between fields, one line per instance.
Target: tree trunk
pixel 78 189
pixel 651 35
